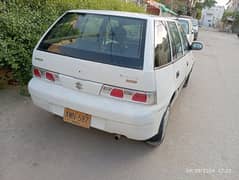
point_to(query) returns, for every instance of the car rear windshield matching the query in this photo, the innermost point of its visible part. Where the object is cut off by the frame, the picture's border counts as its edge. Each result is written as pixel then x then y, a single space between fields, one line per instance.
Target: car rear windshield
pixel 105 39
pixel 185 25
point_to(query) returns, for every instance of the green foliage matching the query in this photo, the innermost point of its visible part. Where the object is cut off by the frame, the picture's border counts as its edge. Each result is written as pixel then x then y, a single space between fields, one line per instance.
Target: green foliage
pixel 209 3
pixel 200 5
pixel 197 10
pixel 22 23
pixel 181 9
pixel 234 15
pixel 227 14
pixel 198 13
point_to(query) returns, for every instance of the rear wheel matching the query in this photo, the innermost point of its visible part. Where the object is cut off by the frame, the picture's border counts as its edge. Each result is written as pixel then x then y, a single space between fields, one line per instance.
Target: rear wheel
pixel 159 137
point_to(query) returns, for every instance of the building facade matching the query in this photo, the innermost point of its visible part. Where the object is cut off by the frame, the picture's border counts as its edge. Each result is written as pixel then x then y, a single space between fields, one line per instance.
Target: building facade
pixel 211 17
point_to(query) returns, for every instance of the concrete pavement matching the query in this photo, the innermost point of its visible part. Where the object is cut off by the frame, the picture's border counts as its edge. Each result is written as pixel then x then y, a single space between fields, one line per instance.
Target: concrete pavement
pixel 202 139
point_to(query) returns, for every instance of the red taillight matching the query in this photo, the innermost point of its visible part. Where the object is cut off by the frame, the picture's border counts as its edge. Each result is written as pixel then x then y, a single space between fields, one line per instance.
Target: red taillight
pixel 45 75
pixel 129 95
pixel 139 97
pixel 117 93
pixel 50 76
pixel 37 72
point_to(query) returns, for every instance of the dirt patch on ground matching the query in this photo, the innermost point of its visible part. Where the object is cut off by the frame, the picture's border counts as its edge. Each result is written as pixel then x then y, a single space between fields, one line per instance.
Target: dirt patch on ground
pixel 6 78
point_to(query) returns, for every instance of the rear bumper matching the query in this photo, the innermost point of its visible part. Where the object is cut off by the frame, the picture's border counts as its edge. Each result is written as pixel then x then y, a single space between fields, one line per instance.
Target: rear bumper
pixel 135 121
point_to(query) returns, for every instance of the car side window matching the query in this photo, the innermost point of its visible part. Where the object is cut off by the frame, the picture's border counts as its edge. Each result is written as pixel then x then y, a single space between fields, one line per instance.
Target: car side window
pixel 184 39
pixel 162 46
pixel 175 40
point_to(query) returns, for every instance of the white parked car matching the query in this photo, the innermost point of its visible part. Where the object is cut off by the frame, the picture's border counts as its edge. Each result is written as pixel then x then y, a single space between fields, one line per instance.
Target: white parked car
pixel 187 27
pixel 114 71
pixel 195 29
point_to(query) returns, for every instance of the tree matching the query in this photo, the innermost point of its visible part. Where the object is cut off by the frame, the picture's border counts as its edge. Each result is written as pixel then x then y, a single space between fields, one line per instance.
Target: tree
pixel 209 3
pixel 197 10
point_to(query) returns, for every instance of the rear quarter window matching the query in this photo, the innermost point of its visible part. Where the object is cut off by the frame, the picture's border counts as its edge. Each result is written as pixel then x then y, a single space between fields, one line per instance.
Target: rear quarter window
pixel 113 40
pixel 162 51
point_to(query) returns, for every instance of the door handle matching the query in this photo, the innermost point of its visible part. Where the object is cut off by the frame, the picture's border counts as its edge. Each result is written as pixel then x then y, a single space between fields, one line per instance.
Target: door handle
pixel 177 74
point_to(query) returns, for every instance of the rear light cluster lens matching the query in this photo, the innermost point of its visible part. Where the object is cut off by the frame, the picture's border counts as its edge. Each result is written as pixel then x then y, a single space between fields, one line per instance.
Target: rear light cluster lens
pixel 139 97
pixel 43 74
pixel 129 95
pixel 117 93
pixel 50 76
pixel 37 73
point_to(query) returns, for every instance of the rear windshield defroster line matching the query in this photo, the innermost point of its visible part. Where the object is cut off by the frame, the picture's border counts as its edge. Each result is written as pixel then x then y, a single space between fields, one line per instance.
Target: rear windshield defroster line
pixel 107 39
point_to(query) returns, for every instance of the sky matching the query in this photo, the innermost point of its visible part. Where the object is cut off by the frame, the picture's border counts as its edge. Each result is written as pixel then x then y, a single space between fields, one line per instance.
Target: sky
pixel 222 2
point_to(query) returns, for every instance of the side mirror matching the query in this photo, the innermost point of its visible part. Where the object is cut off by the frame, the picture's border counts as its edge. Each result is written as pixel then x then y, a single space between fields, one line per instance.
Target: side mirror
pixel 196 45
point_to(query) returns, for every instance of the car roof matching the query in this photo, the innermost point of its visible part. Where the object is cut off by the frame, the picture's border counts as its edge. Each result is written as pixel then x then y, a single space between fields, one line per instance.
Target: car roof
pixel 183 18
pixel 123 14
pixel 187 17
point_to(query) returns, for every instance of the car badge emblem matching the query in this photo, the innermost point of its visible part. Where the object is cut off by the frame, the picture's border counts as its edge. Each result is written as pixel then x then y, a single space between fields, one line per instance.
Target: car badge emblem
pixel 79 85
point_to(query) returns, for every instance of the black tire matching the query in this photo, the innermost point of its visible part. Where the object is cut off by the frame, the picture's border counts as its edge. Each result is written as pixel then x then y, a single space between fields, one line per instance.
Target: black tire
pixel 159 137
pixel 186 81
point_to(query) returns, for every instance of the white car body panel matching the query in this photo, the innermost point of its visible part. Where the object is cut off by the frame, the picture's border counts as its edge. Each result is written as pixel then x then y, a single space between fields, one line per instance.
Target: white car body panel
pixel 165 84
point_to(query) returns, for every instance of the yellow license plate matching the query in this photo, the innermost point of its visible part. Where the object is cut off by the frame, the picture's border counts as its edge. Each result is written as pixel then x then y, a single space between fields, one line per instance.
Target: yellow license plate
pixel 77 118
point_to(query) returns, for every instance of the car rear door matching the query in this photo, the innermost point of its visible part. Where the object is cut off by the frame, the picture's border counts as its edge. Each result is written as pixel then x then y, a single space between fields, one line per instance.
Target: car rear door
pixel 164 70
pixel 186 48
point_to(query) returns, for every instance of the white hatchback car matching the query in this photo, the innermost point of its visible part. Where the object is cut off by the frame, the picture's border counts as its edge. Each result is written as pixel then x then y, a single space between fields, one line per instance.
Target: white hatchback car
pixel 114 71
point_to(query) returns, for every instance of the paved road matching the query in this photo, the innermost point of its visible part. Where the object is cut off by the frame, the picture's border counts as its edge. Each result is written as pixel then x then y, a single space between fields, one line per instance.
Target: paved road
pixel 202 135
